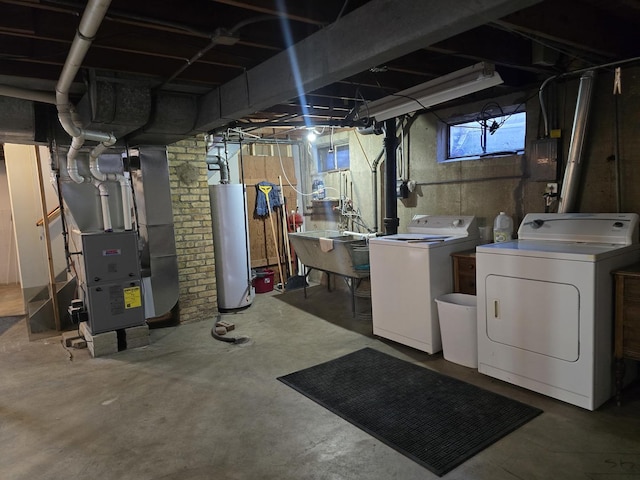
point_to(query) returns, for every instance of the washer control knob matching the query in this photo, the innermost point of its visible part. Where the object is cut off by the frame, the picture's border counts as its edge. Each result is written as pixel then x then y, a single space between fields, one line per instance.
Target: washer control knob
pixel 458 222
pixel 618 225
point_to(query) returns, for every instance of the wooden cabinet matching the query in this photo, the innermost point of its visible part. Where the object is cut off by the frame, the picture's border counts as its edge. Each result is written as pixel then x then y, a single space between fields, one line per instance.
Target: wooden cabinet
pixel 627 320
pixel 464 272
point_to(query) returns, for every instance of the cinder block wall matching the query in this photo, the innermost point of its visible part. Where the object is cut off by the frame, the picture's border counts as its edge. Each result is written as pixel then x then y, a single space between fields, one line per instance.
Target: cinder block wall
pixel 192 223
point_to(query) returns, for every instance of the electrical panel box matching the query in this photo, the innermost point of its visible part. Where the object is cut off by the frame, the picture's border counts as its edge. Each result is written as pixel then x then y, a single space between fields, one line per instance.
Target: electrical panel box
pixel 110 280
pixel 544 159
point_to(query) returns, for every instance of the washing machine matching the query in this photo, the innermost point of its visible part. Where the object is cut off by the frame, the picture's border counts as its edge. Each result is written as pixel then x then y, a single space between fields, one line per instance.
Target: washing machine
pixel 409 271
pixel 545 304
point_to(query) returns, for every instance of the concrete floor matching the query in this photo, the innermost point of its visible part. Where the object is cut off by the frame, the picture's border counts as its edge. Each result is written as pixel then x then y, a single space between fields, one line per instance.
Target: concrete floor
pixel 189 407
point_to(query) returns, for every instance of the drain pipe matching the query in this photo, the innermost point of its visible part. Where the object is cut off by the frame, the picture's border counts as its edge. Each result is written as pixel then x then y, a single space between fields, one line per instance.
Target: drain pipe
pixel 374 171
pixel 391 220
pixel 572 172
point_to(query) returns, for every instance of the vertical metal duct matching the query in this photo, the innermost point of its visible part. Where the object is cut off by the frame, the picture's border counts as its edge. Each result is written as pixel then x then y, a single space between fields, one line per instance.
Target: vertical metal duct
pixel 391 220
pixel 571 180
pixel 159 260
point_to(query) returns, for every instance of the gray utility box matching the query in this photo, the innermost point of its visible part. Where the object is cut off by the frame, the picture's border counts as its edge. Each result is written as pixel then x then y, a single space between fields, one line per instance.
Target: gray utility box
pixel 111 277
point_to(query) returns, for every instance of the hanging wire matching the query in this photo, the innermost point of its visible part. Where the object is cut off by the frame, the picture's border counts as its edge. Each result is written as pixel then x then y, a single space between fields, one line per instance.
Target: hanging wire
pixel 344 6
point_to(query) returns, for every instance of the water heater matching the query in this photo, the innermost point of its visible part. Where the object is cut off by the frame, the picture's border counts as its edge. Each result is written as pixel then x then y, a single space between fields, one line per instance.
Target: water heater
pixel 231 246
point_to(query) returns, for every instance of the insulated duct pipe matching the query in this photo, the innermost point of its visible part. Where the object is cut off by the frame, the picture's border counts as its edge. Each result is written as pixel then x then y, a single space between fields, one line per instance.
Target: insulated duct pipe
pixel 391 220
pixel 570 183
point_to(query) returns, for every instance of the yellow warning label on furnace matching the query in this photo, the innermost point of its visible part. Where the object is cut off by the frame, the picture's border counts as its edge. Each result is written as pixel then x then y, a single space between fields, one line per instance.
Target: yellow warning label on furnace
pixel 132 298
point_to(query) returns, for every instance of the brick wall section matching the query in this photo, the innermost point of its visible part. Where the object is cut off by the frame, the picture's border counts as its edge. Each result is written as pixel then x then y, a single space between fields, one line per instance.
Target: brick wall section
pixel 192 224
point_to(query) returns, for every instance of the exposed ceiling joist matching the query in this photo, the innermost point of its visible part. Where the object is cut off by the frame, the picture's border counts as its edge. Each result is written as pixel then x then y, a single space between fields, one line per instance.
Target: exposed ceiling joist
pixel 341 51
pixel 231 58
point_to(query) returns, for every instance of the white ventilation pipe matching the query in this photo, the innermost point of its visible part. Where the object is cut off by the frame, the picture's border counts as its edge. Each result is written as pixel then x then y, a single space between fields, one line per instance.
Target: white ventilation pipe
pixel 123 181
pixel 104 202
pixel 125 192
pixel 91 19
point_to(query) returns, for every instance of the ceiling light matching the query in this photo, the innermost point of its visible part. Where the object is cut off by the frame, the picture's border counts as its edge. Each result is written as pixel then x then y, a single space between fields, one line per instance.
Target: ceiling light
pixel 311 136
pixel 442 89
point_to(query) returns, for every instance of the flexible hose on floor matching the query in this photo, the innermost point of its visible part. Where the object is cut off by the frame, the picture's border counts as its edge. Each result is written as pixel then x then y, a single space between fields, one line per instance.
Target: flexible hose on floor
pixel 222 338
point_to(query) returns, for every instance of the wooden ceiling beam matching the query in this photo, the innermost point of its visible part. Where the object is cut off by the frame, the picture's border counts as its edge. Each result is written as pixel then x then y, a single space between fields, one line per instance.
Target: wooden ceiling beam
pixel 260 8
pixel 576 26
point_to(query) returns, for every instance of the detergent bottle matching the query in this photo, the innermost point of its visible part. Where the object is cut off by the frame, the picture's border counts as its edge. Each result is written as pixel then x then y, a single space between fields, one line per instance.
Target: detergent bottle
pixel 321 191
pixel 502 228
pixel 317 190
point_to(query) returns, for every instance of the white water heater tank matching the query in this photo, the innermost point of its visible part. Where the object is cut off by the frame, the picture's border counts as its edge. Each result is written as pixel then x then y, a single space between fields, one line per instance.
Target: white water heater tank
pixel 231 246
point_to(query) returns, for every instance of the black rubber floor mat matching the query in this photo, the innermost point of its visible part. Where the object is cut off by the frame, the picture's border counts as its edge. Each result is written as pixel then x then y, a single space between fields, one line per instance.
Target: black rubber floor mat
pixel 437 421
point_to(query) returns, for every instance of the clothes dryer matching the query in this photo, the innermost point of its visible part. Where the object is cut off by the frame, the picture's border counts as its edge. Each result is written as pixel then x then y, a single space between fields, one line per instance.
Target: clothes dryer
pixel 545 304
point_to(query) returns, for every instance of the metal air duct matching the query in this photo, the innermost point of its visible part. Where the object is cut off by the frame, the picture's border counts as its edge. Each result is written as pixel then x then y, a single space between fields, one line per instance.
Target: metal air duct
pixel 150 179
pixel 570 184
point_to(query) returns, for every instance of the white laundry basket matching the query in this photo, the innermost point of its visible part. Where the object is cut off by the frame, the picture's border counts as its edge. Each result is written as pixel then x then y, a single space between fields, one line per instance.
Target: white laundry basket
pixel 458 327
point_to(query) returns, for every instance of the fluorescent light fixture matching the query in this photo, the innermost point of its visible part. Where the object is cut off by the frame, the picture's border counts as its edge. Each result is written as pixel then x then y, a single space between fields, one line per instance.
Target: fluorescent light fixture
pixel 442 89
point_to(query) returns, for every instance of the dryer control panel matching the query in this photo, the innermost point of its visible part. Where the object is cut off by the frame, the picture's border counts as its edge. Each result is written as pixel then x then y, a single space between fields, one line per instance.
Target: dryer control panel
pixel 606 228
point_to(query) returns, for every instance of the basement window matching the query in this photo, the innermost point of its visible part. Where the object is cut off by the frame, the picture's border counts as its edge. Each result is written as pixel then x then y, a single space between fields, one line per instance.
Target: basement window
pixel 333 158
pixel 491 133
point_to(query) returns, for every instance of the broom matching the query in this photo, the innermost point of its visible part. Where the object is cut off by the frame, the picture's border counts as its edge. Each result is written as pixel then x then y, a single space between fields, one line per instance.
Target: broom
pixel 266 189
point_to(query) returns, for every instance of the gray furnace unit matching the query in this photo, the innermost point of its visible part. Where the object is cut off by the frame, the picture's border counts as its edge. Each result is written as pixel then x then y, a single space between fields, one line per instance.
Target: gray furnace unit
pixel 110 280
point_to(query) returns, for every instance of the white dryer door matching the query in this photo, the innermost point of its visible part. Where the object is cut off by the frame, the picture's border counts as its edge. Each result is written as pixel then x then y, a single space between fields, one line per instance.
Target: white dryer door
pixel 541 317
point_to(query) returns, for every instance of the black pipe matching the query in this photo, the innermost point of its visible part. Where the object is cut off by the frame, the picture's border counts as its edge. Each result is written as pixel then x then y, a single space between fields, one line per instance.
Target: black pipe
pixel 391 220
pixel 65 233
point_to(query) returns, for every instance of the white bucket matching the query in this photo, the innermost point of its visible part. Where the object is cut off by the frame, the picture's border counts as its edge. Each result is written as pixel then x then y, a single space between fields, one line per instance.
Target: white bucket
pixel 458 327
